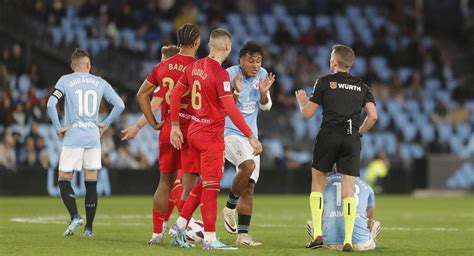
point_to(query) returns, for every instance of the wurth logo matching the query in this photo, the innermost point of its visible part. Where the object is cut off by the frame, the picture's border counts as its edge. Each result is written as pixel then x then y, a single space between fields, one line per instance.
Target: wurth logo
pixel 349 87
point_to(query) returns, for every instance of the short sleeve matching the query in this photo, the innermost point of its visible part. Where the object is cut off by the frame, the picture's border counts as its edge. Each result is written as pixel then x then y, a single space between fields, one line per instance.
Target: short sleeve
pixel 158 92
pixel 368 96
pixel 152 77
pixel 223 84
pixel 371 199
pixel 316 96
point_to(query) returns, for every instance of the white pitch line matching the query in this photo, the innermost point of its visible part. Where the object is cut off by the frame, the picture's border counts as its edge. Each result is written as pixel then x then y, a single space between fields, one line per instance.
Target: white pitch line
pixel 60 219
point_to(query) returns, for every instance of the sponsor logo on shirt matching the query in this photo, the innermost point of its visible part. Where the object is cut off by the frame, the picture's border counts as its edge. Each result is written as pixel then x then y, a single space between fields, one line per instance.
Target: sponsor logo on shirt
pixel 347 87
pixel 227 86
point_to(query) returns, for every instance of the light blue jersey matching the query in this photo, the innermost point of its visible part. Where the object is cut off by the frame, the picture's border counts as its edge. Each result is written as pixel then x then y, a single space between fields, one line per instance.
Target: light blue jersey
pixel 83 93
pixel 333 218
pixel 249 100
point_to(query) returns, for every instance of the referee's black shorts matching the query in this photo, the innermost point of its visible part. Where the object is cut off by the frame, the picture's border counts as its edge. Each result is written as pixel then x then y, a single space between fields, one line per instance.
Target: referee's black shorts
pixel 333 145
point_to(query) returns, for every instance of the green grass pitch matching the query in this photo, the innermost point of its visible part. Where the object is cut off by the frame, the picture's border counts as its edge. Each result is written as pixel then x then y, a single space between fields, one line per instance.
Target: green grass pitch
pixel 410 226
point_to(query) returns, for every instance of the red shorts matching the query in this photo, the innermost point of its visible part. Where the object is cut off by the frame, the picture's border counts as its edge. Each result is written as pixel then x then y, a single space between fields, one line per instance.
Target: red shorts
pixel 207 150
pixel 172 159
pixel 169 157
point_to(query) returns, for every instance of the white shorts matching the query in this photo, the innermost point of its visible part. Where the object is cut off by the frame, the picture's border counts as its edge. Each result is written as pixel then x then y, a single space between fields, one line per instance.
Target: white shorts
pixel 238 150
pixel 76 159
pixel 367 246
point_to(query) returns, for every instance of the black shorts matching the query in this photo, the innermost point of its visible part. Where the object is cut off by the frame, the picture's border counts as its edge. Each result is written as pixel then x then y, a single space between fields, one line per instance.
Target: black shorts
pixel 334 146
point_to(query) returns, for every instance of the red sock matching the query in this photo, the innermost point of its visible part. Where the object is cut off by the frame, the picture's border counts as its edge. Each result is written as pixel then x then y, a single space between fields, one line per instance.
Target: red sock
pixel 209 206
pixel 180 205
pixel 192 202
pixel 158 218
pixel 175 196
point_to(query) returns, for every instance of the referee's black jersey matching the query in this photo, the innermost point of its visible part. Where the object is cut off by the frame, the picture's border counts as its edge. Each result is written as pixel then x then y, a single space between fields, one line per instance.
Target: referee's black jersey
pixel 342 97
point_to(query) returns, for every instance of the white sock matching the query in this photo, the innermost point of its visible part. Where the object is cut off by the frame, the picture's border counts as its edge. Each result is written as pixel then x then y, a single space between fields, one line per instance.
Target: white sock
pixel 164 225
pixel 209 237
pixel 182 222
pixel 157 234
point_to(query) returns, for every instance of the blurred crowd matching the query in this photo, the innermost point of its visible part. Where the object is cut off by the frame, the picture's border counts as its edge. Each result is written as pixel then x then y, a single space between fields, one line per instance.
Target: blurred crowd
pixel 141 27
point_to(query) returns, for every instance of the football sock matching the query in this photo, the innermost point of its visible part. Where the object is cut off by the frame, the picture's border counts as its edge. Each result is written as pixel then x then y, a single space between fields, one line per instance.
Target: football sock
pixel 316 204
pixel 158 218
pixel 175 196
pixel 209 237
pixel 68 196
pixel 192 202
pixel 244 223
pixel 232 200
pixel 91 201
pixel 180 205
pixel 349 218
pixel 209 206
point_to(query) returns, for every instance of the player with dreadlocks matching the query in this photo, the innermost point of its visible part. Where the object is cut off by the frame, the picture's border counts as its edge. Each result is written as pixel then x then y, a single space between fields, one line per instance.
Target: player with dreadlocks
pixel 161 82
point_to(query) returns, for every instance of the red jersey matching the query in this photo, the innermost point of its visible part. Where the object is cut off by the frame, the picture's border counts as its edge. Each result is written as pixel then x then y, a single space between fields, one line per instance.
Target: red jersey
pixel 208 82
pixel 165 76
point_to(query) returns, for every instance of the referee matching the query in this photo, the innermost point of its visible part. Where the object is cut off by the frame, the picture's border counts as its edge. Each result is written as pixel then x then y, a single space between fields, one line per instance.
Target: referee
pixel 342 96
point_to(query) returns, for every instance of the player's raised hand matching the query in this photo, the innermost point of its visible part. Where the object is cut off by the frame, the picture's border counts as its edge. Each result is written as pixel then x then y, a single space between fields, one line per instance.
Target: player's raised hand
pixel 129 133
pixel 61 132
pixel 176 137
pixel 238 83
pixel 102 128
pixel 264 85
pixel 301 97
pixel 256 145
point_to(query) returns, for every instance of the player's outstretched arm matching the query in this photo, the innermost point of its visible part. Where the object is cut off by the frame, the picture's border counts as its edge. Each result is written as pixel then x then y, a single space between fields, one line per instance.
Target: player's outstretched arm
pixel 238 85
pixel 307 107
pixel 370 119
pixel 143 100
pixel 130 132
pixel 239 121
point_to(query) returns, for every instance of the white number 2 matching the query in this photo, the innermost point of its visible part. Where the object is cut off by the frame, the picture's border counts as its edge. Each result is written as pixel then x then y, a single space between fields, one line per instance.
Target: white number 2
pixel 83 102
pixel 339 193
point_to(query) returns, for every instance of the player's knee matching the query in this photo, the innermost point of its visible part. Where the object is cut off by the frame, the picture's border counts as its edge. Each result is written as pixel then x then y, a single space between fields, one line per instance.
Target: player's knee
pixel 247 166
pixel 64 175
pixel 211 185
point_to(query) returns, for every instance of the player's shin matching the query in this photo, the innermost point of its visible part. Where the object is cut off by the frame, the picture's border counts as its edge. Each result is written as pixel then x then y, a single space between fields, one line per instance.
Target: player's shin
pixel 210 192
pixel 316 204
pixel 91 200
pixel 191 204
pixel 69 197
pixel 349 209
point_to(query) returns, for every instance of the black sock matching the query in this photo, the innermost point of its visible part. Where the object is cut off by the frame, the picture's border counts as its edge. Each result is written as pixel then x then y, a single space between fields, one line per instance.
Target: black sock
pixel 68 196
pixel 90 201
pixel 244 223
pixel 232 200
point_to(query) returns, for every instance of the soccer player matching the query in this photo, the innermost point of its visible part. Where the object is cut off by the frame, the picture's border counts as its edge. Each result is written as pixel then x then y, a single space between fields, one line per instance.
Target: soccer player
pixel 366 229
pixel 130 133
pixel 251 85
pixel 164 78
pixel 342 97
pixel 211 99
pixel 81 133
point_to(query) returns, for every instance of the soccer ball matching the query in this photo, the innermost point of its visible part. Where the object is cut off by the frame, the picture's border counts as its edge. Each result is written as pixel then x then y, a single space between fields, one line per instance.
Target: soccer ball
pixel 195 231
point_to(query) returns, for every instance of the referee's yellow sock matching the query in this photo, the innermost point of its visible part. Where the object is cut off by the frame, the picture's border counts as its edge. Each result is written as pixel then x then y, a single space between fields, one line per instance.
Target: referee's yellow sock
pixel 316 203
pixel 349 218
